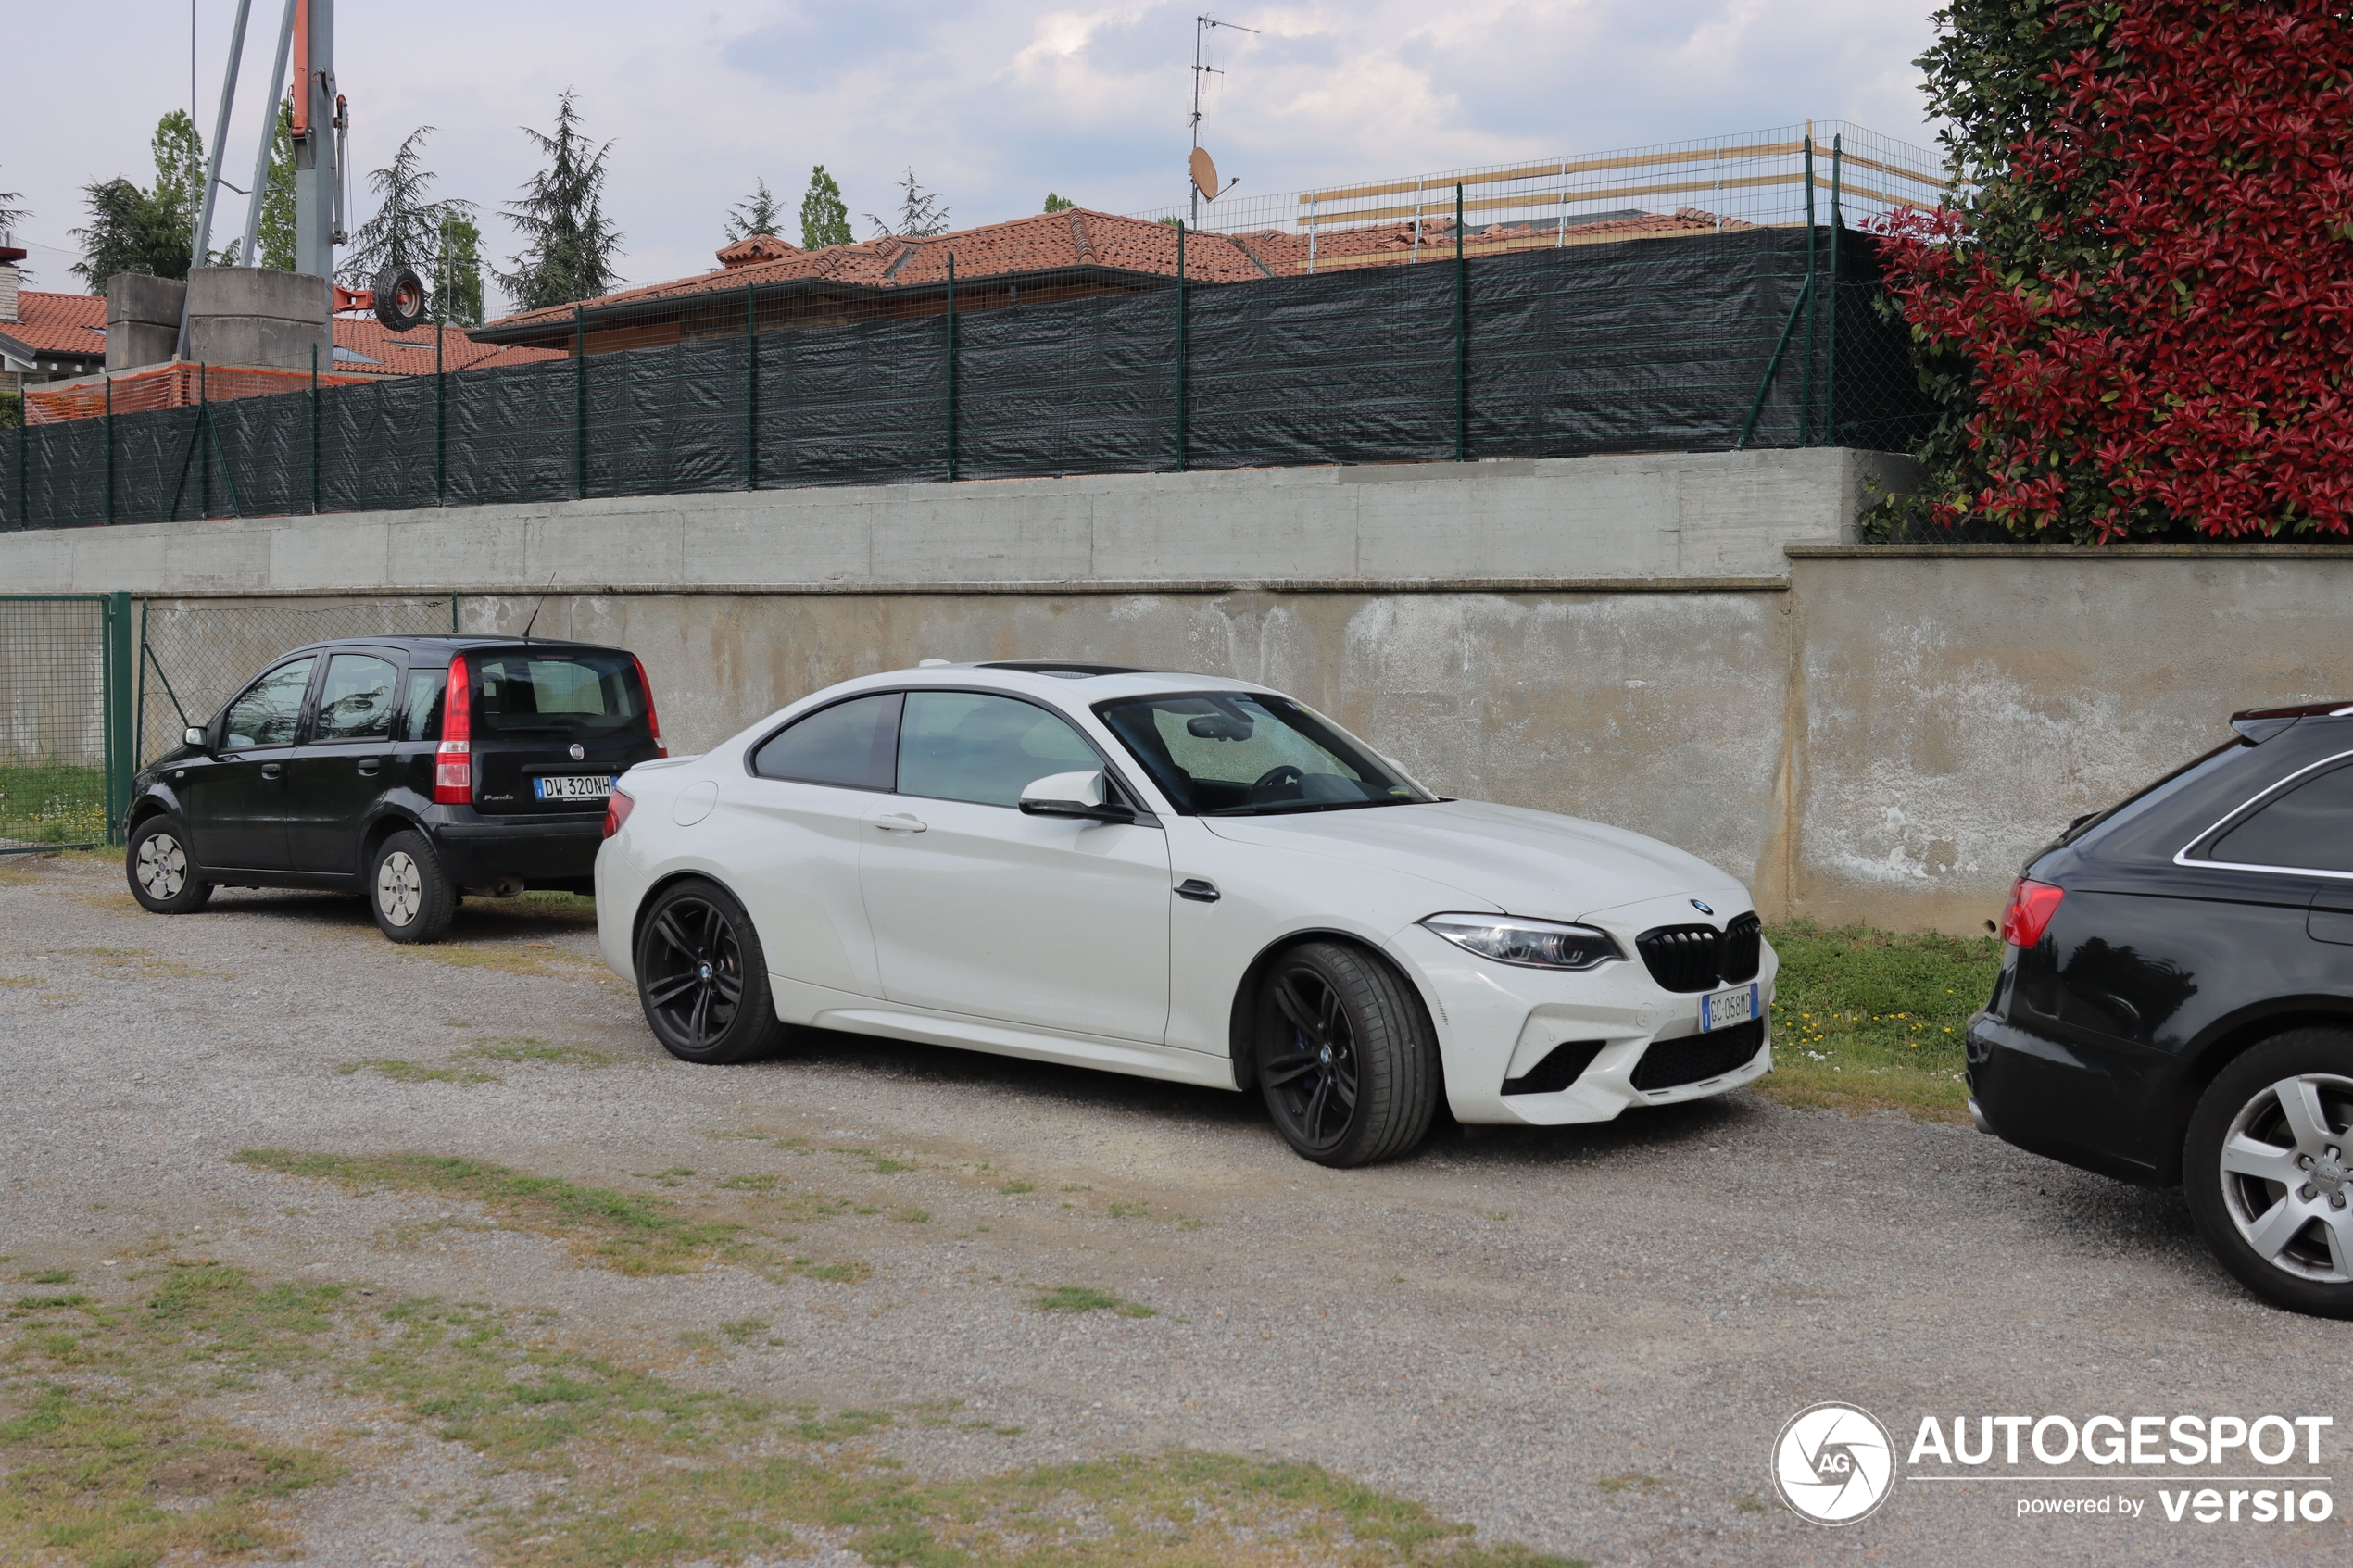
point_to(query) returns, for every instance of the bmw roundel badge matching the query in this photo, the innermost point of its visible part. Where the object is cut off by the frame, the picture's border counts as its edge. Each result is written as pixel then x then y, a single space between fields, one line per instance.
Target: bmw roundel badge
pixel 1702 908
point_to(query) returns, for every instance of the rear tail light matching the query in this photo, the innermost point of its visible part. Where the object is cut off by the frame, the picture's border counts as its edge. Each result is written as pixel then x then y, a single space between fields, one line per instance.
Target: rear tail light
pixel 653 719
pixel 2030 908
pixel 453 765
pixel 617 808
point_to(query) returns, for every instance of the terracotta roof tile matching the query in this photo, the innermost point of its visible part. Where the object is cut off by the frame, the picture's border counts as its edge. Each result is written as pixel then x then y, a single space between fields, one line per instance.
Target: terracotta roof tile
pixel 59 324
pixel 1079 237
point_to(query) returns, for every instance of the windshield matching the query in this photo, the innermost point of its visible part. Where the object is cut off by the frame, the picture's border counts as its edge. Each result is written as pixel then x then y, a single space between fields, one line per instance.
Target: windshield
pixel 548 694
pixel 1223 754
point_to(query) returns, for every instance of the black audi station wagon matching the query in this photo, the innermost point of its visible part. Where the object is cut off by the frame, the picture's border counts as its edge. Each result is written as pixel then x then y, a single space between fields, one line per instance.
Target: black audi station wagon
pixel 413 769
pixel 2175 1003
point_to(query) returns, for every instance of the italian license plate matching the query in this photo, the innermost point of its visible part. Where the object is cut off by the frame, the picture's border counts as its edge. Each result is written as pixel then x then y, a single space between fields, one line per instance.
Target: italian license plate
pixel 1726 1008
pixel 579 786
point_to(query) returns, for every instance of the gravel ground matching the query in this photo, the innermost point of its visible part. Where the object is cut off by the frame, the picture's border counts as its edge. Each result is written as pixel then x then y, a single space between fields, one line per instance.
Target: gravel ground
pixel 1583 1339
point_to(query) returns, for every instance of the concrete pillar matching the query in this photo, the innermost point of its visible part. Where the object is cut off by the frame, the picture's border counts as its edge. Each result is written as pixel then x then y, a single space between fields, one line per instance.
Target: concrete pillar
pixel 257 316
pixel 142 319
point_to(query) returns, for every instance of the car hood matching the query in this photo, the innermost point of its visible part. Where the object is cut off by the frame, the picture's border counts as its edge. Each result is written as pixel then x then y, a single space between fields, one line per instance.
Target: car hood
pixel 1520 861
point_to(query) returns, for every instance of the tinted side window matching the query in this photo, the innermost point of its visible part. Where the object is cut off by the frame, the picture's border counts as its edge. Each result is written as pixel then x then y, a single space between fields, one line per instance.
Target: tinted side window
pixel 852 744
pixel 970 745
pixel 2309 828
pixel 270 709
pixel 421 714
pixel 356 702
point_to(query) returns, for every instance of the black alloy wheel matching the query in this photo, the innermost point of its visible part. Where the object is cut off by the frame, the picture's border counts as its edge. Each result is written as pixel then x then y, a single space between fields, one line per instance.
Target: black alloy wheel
pixel 164 877
pixel 701 978
pixel 1347 1060
pixel 2268 1169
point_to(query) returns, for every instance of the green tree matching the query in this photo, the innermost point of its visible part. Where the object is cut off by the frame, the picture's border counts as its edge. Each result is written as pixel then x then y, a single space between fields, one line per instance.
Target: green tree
pixel 823 220
pixel 275 239
pixel 756 214
pixel 137 231
pixel 920 214
pixel 407 228
pixel 10 216
pixel 457 274
pixel 569 247
pixel 1058 204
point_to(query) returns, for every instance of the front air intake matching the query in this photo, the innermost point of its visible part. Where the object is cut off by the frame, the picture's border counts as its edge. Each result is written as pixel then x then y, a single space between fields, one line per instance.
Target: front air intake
pixel 1694 1059
pixel 1561 1067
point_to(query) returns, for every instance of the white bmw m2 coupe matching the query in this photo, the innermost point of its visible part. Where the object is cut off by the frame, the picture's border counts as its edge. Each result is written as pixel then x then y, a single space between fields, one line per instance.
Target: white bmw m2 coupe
pixel 1180 877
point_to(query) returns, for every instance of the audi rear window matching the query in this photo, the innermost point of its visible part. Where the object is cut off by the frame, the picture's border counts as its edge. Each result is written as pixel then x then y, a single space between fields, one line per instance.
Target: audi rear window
pixel 568 695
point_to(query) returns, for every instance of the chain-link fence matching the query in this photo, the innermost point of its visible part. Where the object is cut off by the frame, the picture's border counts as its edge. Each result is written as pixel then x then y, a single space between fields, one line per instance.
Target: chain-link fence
pixel 1689 337
pixel 65 720
pixel 195 654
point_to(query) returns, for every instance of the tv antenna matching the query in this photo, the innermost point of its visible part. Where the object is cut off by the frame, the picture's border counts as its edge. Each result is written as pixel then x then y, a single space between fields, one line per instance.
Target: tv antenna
pixel 1201 171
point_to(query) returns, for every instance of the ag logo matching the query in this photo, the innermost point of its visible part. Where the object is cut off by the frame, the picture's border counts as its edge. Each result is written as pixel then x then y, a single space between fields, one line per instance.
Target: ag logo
pixel 1834 1463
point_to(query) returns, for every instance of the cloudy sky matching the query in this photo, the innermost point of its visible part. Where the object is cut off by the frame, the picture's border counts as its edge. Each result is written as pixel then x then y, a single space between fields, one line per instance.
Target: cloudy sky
pixel 991 102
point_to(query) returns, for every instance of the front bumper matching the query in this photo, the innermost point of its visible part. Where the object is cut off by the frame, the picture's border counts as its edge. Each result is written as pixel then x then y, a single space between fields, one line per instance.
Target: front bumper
pixel 1498 1021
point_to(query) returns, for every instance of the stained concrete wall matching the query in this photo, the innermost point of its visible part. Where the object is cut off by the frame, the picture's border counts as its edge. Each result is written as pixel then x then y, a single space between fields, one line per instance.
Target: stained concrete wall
pixel 1952 709
pixel 1875 735
pixel 1720 515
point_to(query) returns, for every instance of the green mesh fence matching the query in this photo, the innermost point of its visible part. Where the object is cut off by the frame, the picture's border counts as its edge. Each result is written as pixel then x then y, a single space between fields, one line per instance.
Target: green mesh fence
pixel 195 654
pixel 65 720
pixel 1693 341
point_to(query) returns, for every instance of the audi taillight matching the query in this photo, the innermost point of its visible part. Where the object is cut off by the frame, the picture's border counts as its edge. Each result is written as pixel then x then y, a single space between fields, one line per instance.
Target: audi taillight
pixel 617 808
pixel 2030 908
pixel 653 719
pixel 453 764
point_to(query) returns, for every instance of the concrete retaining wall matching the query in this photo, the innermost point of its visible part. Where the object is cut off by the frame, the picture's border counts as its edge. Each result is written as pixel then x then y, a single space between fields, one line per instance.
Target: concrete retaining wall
pixel 1875 735
pixel 1705 515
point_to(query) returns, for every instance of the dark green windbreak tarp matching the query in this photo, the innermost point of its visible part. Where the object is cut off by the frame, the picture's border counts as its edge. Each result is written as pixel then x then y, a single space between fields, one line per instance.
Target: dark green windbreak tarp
pixel 1657 345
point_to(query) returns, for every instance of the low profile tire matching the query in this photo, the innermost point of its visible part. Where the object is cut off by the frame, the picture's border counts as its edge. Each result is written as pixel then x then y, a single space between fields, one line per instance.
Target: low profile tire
pixel 1347 1060
pixel 164 877
pixel 702 979
pixel 2268 1169
pixel 408 891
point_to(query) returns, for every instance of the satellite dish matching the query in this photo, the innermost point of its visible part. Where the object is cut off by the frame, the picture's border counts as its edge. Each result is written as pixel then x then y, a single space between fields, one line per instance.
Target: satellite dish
pixel 1204 174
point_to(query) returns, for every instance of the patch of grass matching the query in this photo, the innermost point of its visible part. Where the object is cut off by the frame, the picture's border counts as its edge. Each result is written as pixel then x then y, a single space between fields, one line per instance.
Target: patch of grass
pixel 748 1184
pixel 879 1164
pixel 1869 1020
pixel 401 1072
pixel 53 802
pixel 1086 1298
pixel 745 1331
pixel 912 1215
pixel 510 959
pixel 1014 1189
pixel 47 1276
pixel 610 1467
pixel 613 1230
pixel 525 1049
pixel 1126 1210
pixel 1632 1481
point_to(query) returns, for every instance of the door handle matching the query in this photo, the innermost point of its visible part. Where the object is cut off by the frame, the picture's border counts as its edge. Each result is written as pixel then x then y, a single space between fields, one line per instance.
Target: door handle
pixel 899 821
pixel 1198 890
pixel 271 770
pixel 368 765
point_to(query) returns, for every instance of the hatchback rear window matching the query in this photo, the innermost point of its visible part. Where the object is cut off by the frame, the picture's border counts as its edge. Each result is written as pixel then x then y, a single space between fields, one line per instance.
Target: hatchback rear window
pixel 544 693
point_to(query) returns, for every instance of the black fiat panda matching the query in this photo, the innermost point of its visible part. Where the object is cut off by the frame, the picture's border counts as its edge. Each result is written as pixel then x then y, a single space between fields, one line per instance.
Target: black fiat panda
pixel 411 769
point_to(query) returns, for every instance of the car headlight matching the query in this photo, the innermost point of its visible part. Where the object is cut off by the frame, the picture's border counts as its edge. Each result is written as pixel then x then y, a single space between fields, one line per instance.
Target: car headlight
pixel 1533 943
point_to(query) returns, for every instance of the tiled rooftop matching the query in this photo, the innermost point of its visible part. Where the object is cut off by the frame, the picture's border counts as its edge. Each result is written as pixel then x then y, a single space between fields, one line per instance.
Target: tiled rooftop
pixel 1078 237
pixel 75 324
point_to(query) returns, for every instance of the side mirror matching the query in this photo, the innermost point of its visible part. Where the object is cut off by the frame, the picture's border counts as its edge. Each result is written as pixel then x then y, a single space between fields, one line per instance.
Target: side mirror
pixel 1075 795
pixel 193 736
